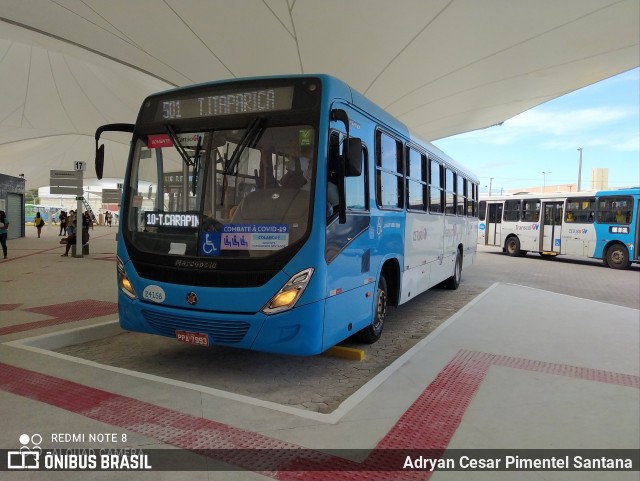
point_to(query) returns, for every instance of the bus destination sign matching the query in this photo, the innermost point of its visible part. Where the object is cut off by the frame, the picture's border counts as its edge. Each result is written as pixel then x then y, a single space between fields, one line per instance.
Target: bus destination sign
pixel 226 103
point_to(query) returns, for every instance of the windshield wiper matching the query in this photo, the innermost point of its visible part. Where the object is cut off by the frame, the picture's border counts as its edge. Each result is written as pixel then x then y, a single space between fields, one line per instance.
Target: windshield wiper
pixel 178 146
pixel 250 138
pixel 195 162
pixel 196 166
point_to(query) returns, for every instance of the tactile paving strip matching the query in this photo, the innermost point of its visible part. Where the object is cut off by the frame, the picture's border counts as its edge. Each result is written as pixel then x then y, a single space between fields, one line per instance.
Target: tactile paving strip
pixel 72 311
pixel 9 307
pixel 427 425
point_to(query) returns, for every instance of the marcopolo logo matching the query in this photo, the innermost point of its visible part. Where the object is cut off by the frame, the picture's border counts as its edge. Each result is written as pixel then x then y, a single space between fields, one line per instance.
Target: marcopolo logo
pixel 27 457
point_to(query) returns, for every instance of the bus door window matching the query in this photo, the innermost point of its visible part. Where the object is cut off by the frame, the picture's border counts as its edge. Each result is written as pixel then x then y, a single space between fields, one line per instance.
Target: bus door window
pixel 355 187
pixel 341 238
pixel 335 156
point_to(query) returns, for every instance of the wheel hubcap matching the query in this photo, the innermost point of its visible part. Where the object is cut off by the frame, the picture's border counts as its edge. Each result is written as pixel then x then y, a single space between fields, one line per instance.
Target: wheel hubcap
pixel 616 257
pixel 381 309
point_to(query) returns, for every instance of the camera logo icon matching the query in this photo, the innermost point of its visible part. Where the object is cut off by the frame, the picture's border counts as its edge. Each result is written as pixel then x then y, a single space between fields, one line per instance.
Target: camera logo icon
pixel 26 457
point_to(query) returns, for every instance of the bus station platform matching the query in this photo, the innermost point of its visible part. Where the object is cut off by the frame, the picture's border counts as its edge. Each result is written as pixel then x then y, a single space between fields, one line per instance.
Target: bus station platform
pixel 516 374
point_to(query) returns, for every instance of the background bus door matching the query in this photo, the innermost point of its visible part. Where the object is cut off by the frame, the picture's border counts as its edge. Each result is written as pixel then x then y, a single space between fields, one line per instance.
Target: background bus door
pixel 636 241
pixel 494 223
pixel 551 226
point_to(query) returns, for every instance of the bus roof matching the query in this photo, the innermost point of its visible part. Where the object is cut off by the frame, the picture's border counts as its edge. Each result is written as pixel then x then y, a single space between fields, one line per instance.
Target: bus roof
pixel 625 191
pixel 561 195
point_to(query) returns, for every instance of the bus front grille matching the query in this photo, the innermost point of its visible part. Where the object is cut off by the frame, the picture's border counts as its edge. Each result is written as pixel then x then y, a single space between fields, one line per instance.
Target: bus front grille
pixel 218 330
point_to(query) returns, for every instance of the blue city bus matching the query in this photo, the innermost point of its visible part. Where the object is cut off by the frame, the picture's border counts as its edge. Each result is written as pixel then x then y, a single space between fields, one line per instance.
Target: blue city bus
pixel 599 225
pixel 282 214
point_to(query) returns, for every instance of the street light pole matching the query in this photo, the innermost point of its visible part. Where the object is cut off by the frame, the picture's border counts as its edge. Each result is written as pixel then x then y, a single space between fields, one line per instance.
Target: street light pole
pixel 544 180
pixel 579 170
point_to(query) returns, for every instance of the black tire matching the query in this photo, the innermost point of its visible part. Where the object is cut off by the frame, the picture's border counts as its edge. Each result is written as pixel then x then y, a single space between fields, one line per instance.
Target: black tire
pixel 512 247
pixel 618 257
pixel 454 281
pixel 373 331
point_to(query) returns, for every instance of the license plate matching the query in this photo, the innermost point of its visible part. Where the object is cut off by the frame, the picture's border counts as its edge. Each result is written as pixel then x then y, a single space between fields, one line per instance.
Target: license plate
pixel 192 338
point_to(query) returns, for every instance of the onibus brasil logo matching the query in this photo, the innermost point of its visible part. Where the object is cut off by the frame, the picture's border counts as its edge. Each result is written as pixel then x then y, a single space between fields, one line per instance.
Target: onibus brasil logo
pixel 27 457
pixel 31 456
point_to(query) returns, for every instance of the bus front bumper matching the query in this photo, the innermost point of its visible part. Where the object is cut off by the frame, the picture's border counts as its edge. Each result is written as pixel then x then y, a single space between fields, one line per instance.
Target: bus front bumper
pixel 297 331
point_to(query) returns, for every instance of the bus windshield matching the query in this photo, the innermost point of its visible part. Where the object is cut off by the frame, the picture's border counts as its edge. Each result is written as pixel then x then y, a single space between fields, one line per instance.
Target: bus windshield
pixel 220 193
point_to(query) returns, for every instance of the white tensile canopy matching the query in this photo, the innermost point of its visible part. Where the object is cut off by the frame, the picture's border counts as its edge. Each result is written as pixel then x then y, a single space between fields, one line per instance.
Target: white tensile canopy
pixel 441 66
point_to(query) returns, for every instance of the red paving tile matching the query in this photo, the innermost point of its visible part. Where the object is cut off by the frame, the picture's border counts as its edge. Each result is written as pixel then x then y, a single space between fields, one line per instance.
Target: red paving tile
pixel 63 313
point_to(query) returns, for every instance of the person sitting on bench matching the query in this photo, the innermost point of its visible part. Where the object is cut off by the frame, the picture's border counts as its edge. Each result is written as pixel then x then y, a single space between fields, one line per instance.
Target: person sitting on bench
pixel 71 239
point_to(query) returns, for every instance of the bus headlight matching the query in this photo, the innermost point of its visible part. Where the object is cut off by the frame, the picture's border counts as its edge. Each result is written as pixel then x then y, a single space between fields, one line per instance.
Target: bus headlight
pixel 123 281
pixel 287 297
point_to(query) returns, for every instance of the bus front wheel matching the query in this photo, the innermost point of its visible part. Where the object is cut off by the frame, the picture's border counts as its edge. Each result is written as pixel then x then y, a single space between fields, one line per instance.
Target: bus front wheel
pixel 373 331
pixel 618 257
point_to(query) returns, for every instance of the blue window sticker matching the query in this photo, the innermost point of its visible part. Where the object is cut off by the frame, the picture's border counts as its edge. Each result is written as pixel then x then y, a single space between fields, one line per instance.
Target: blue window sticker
pixel 210 244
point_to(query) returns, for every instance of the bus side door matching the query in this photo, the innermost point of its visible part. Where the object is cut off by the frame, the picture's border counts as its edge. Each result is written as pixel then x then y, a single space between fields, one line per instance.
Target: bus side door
pixel 349 248
pixel 494 224
pixel 551 229
pixel 636 248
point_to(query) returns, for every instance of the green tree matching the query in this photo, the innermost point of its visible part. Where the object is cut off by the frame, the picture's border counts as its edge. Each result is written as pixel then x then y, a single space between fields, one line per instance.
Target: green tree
pixel 31 197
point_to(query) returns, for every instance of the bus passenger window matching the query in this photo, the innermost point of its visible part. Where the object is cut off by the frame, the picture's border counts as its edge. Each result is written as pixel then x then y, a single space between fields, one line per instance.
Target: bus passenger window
pixel 483 210
pixel 436 192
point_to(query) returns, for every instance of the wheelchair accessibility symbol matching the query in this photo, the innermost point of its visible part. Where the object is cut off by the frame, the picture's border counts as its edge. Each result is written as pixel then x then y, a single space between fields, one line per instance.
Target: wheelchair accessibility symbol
pixel 210 244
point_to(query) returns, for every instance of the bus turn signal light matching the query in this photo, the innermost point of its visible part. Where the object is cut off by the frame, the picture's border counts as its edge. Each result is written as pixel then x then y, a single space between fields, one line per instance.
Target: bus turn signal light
pixel 287 297
pixel 123 281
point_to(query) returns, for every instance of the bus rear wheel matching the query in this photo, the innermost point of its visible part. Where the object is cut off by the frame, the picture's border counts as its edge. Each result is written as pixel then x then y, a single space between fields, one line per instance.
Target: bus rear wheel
pixel 453 282
pixel 618 257
pixel 373 331
pixel 512 247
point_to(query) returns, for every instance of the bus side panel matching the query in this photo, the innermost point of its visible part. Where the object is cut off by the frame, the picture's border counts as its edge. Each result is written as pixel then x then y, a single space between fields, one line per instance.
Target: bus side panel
pixel 347 313
pixel 423 247
pixel 528 234
pixel 470 245
pixel 347 273
pixel 452 238
pixel 578 239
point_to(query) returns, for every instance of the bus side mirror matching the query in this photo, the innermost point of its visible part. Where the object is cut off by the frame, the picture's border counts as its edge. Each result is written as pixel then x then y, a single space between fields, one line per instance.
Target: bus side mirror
pixel 353 167
pixel 99 161
pixel 100 150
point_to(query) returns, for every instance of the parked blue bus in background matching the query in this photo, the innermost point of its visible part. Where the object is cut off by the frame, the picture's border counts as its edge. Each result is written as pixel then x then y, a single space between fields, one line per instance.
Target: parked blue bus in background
pixel 282 214
pixel 600 225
